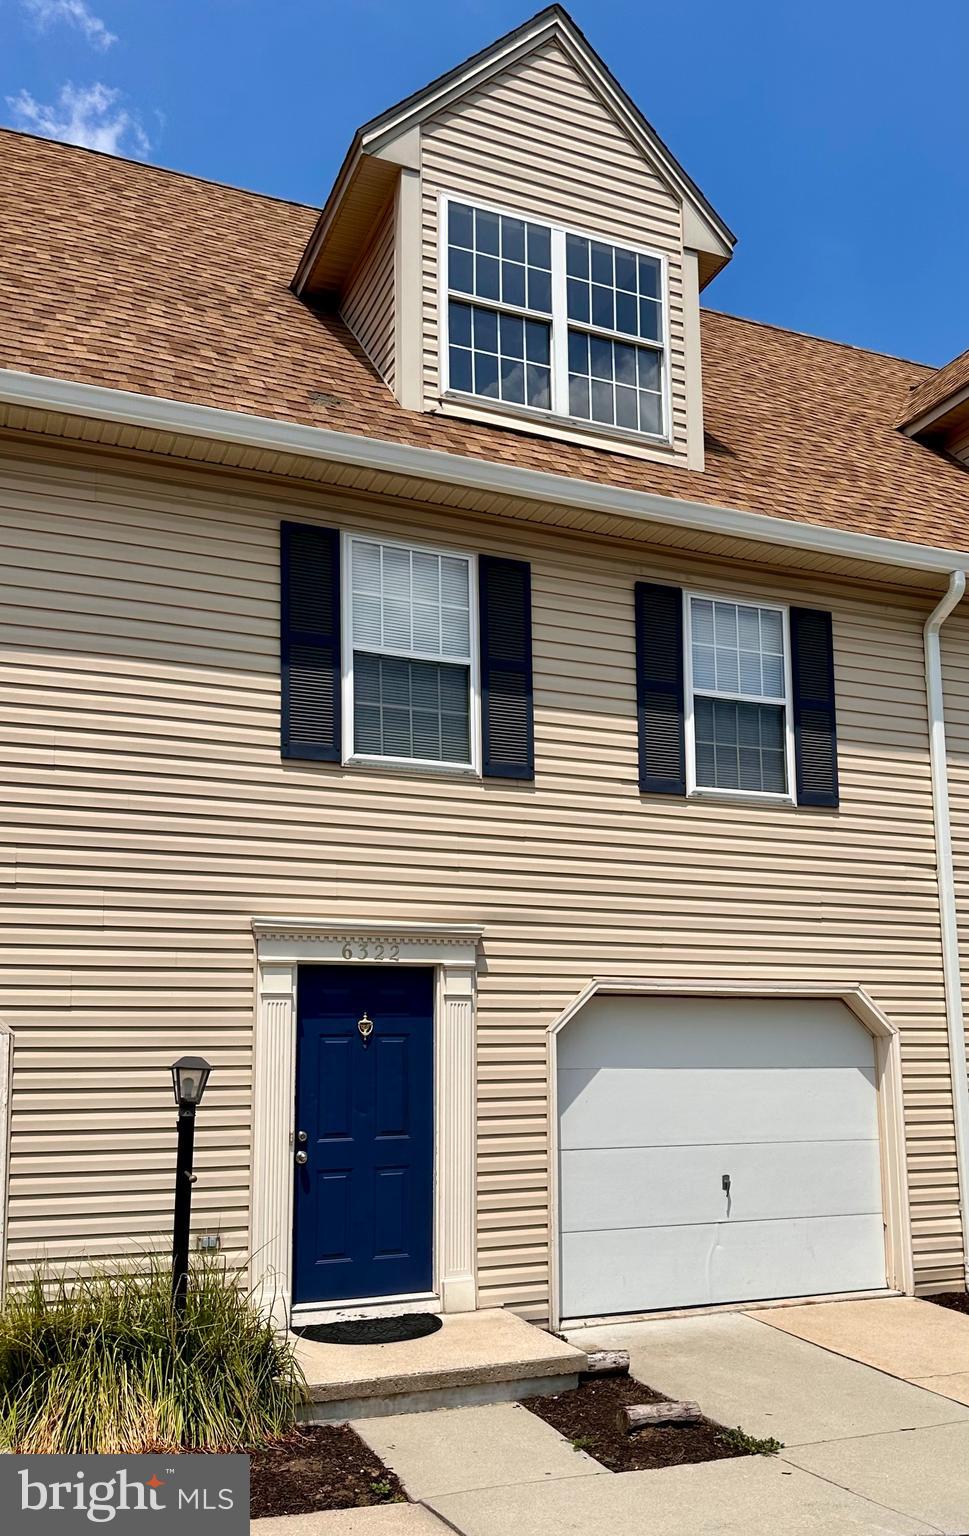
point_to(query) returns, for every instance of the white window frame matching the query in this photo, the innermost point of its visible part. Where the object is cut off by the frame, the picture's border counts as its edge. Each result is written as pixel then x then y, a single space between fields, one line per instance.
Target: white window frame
pixel 419 764
pixel 559 325
pixel 713 792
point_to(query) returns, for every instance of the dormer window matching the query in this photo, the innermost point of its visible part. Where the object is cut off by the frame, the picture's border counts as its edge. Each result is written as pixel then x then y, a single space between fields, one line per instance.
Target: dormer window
pixel 540 318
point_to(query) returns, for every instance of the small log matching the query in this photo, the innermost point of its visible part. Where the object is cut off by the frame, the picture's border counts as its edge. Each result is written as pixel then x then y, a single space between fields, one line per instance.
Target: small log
pixel 607 1362
pixel 651 1415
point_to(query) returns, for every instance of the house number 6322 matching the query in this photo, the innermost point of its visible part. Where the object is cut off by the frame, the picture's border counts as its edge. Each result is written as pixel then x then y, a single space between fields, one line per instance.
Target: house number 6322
pixel 370 949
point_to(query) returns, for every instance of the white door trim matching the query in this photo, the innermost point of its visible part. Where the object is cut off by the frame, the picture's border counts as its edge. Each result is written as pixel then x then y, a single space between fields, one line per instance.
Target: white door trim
pixel 282 945
pixel 888 1069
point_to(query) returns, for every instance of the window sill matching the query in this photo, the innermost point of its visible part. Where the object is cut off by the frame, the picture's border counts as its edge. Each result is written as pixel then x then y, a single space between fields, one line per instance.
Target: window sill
pixel 572 429
pixel 744 797
pixel 413 766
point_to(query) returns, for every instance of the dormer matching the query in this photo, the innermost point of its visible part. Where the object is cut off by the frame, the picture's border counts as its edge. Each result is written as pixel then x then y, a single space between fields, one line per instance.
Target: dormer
pixel 937 410
pixel 515 245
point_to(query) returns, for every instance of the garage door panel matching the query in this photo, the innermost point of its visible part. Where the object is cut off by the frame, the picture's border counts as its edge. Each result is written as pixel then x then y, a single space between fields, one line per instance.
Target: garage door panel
pixel 623 1106
pixel 653 1186
pixel 659 1097
pixel 727 1034
pixel 642 1269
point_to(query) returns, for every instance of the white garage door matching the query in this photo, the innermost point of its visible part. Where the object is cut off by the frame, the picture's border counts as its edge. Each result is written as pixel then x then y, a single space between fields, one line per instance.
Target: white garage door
pixel 716 1150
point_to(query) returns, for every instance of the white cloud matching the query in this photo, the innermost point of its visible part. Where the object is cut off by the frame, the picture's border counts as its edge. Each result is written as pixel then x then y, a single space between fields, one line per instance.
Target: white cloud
pixel 76 14
pixel 87 115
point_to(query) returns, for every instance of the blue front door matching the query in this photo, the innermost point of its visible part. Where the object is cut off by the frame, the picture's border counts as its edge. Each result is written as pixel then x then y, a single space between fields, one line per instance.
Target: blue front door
pixel 363 1219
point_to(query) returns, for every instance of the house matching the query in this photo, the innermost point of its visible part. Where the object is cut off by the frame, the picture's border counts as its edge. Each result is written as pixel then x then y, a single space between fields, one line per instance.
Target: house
pixel 503 715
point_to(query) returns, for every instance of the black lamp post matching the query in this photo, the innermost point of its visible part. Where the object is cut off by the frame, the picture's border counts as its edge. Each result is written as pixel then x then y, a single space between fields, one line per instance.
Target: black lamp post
pixel 189 1077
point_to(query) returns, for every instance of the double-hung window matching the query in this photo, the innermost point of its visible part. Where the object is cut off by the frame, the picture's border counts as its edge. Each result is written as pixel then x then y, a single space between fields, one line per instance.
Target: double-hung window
pixel 543 318
pixel 739 736
pixel 410 689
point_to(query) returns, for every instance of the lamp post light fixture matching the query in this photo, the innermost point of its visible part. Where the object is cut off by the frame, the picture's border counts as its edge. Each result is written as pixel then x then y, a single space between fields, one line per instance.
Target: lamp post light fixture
pixel 189 1077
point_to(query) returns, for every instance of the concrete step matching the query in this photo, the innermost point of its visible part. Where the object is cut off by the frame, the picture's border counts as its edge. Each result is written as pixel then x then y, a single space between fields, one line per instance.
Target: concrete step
pixel 475 1357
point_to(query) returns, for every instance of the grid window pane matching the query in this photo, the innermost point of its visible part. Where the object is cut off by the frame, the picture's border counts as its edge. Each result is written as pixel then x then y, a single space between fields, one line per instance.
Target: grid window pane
pixel 410 600
pixel 740 742
pixel 740 745
pixel 493 361
pixel 737 648
pixel 505 262
pixel 411 709
pixel 621 291
pixel 496 257
pixel 605 383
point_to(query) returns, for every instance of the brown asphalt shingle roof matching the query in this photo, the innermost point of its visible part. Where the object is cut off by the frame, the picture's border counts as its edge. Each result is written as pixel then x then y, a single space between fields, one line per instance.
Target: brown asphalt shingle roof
pixel 119 274
pixel 936 389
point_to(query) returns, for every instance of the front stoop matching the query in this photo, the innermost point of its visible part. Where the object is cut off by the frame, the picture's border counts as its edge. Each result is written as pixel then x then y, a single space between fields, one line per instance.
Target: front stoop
pixel 475 1357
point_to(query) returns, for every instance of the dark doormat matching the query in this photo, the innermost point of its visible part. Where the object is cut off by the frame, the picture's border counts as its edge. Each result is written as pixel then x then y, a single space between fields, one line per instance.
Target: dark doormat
pixel 373 1330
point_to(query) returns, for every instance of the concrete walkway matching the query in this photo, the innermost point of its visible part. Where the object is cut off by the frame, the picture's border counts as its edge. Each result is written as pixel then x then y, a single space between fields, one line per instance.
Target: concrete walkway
pixel 472 1448
pixel 901 1335
pixel 866 1450
pixel 896 1451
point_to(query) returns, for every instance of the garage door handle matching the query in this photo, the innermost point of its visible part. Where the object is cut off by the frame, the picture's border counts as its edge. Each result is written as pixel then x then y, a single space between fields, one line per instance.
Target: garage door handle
pixel 725 1183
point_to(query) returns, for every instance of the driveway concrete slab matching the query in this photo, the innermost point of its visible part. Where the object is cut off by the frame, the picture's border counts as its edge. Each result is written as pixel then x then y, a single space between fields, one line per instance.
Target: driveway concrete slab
pixel 898 1334
pixel 769 1382
pixel 379 1520
pixel 956 1387
pixel 924 1473
pixel 457 1449
pixel 752 1496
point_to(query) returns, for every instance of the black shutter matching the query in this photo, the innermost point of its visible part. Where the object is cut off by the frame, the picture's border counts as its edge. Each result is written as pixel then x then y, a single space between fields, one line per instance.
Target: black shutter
pixel 815 727
pixel 659 689
pixel 505 616
pixel 310 641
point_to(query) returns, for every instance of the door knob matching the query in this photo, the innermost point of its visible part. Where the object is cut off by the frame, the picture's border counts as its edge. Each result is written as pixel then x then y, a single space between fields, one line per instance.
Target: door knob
pixel 301 1158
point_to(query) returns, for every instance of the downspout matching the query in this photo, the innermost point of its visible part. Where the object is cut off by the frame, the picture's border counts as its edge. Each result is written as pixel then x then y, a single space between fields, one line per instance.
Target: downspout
pixel 951 968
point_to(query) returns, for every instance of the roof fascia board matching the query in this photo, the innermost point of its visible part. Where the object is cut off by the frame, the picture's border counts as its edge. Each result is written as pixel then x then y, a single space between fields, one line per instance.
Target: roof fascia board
pixel 377 137
pixel 33 391
pixel 944 408
pixel 517 45
pixel 327 214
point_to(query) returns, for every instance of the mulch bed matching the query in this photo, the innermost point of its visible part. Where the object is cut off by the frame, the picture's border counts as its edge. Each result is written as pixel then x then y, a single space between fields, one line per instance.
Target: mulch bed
pixel 588 1416
pixel 321 1466
pixel 958 1301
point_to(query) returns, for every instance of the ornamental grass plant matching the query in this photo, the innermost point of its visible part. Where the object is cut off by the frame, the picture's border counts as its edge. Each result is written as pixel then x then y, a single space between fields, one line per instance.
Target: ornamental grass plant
pixel 100 1363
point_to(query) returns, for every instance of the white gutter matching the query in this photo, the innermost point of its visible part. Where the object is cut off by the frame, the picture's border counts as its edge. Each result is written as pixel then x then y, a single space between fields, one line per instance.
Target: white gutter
pixel 951 967
pixel 35 391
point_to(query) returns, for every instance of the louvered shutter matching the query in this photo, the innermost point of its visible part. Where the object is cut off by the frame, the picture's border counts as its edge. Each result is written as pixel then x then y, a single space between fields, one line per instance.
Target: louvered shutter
pixel 659 689
pixel 505 618
pixel 310 641
pixel 815 725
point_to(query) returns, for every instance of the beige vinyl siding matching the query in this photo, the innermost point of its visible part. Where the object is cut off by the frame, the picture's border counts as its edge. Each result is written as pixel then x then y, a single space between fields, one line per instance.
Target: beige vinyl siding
pixel 958 444
pixel 538 140
pixel 147 816
pixel 368 303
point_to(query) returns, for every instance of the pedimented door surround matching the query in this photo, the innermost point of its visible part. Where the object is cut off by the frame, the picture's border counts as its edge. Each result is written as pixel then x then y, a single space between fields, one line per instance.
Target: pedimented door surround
pixel 282 945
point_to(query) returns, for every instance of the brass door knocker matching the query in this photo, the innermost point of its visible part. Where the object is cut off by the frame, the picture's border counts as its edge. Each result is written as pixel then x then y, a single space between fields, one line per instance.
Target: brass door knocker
pixel 365 1026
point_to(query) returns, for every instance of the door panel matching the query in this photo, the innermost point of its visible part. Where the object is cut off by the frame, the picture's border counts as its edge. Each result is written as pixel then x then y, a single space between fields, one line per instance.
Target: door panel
pixel 363 1213
pixel 639 1269
pixel 610 1187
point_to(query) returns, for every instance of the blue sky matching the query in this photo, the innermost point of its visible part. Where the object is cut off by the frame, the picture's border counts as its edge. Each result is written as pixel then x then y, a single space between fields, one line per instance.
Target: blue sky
pixel 833 137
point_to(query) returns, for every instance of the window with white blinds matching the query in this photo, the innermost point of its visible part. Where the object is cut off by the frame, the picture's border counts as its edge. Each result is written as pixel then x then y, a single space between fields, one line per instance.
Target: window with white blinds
pixel 410 627
pixel 739 720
